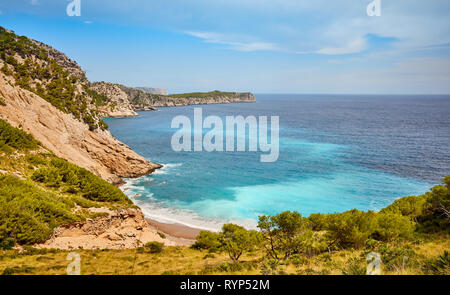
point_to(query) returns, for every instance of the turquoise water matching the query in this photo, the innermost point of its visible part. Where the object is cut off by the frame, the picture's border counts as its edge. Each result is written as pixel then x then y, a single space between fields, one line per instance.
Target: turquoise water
pixel 336 153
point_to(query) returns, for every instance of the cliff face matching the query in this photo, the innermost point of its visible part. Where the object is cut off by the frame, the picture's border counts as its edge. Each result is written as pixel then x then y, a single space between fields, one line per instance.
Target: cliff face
pixel 214 97
pixel 48 95
pixel 68 138
pixel 135 99
pixel 119 104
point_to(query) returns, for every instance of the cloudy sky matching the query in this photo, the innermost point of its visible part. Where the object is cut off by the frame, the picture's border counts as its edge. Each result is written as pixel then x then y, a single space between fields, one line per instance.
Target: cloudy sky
pixel 277 46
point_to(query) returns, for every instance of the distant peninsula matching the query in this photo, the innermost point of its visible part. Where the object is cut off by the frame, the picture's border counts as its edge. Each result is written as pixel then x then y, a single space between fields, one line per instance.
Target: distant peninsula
pixel 125 101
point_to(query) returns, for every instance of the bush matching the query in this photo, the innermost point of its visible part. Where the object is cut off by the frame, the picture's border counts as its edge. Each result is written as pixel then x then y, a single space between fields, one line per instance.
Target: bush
pixel 408 206
pixel 16 138
pixel 207 240
pixel 355 266
pixel 351 229
pixel 6 243
pixel 393 226
pixel 17 269
pixel 288 233
pixel 74 179
pixel 396 258
pixel 154 247
pixel 439 265
pixel 27 213
pixel 236 240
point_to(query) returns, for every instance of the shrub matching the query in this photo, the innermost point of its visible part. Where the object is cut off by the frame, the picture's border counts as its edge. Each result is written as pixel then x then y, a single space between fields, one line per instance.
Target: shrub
pixel 351 229
pixel 396 258
pixel 288 233
pixel 74 179
pixel 27 213
pixel 154 247
pixel 393 226
pixel 207 240
pixel 17 269
pixel 439 265
pixel 408 206
pixel 236 240
pixel 354 266
pixel 6 243
pixel 36 160
pixel 16 138
pixel 209 255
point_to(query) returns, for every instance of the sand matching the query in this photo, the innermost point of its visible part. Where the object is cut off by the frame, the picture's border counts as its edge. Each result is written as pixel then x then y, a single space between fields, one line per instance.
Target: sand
pixel 175 230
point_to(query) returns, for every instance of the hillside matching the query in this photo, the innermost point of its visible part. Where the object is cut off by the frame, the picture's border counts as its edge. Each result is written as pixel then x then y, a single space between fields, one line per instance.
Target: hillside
pixel 124 100
pixel 43 196
pixel 58 164
pixel 48 95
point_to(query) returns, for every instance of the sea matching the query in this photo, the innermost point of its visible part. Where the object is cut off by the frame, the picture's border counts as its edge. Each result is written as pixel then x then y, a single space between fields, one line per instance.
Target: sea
pixel 336 153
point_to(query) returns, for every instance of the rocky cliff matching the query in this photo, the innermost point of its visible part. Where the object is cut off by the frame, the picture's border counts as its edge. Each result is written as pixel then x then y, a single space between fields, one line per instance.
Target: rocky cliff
pixel 139 100
pixel 49 96
pixel 69 138
pixel 119 104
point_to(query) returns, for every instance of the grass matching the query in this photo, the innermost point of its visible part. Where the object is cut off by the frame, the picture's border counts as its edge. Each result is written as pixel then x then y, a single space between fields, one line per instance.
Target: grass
pixel 184 261
pixel 39 191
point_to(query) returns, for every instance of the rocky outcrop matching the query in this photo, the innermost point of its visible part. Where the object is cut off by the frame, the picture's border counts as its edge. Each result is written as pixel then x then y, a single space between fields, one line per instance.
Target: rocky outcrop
pixel 98 151
pixel 213 99
pixel 151 90
pixel 126 100
pixel 121 229
pixel 69 65
pixel 119 104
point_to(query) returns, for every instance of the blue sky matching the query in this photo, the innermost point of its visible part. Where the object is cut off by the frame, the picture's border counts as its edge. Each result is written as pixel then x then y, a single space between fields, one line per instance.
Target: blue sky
pixel 284 46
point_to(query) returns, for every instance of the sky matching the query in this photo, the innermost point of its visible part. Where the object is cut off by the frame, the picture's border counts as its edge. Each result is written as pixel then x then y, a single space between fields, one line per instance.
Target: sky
pixel 262 46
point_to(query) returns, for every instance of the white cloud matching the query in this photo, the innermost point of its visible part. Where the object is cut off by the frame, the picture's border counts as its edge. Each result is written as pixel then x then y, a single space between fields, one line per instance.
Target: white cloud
pixel 354 46
pixel 235 42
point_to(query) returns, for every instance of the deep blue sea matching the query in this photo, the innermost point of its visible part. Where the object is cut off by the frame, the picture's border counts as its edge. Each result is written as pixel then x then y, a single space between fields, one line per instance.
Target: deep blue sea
pixel 337 152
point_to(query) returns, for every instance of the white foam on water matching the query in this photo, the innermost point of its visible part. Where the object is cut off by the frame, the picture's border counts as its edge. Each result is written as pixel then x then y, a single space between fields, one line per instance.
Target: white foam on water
pixel 170 214
pixel 166 168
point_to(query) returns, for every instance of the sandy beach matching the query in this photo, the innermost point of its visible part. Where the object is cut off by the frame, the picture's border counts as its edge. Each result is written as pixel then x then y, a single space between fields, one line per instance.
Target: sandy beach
pixel 179 233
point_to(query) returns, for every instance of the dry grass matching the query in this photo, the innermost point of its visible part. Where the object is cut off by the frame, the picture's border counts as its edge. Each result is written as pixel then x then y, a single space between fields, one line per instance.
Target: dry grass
pixel 185 261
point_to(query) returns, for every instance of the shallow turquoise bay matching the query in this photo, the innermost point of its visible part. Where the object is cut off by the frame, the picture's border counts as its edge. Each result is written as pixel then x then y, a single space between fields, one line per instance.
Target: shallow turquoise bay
pixel 336 153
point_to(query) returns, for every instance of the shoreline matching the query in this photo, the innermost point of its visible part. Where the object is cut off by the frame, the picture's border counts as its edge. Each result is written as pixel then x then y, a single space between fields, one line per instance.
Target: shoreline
pixel 177 232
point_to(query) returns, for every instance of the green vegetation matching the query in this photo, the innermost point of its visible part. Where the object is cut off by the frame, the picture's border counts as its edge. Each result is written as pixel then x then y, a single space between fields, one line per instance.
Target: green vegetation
pixel 439 265
pixel 212 94
pixel 233 239
pixel 290 238
pixel 72 179
pixel 28 214
pixel 47 192
pixel 13 138
pixel 411 235
pixel 42 75
pixel 154 247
